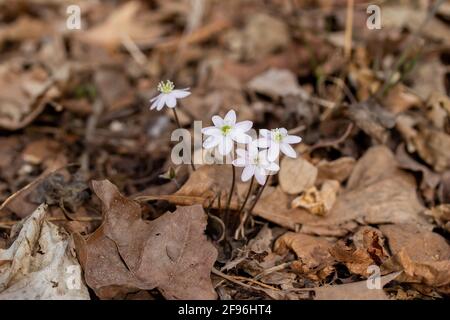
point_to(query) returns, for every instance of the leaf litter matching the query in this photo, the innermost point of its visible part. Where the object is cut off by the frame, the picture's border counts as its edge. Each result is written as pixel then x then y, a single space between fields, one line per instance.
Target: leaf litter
pixel 370 186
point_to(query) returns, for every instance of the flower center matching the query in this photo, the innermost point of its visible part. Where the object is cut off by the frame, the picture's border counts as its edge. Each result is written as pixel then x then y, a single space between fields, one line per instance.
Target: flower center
pixel 277 135
pixel 166 87
pixel 225 129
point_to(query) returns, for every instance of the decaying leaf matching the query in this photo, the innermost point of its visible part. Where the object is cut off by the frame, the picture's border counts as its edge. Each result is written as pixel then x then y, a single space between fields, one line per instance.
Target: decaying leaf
pixel 170 253
pixel 40 263
pixel 367 250
pixel 356 290
pixel 296 175
pixel 441 215
pixel 318 201
pixel 423 255
pixel 313 254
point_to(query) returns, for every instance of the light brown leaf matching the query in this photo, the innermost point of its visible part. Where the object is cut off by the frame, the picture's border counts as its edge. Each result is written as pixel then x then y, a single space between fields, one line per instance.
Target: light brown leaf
pixel 296 175
pixel 424 255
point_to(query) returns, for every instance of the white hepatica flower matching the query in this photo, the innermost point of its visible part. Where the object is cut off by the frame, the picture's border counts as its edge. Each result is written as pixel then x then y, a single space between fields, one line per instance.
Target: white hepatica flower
pixel 225 131
pixel 255 163
pixel 168 95
pixel 278 140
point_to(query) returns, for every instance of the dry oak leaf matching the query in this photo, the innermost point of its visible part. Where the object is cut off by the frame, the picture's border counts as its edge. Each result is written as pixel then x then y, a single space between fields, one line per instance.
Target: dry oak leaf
pixel 441 215
pixel 39 262
pixel 170 253
pixel 296 175
pixel 423 255
pixel 313 253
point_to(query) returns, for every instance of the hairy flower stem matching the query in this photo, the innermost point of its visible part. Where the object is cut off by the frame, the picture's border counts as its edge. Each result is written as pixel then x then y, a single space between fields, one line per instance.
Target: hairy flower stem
pixel 233 182
pixel 258 195
pixel 175 115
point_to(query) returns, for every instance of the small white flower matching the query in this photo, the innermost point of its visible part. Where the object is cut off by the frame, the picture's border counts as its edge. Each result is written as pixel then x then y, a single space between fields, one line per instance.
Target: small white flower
pixel 225 131
pixel 168 95
pixel 278 140
pixel 255 163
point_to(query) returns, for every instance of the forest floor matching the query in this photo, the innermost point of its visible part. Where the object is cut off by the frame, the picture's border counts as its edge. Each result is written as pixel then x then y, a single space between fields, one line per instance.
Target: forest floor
pixel 365 204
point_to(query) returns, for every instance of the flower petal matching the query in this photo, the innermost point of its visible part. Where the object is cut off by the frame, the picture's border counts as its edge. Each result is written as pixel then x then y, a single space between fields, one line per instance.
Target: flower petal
pixel 211 142
pixel 240 162
pixel 283 131
pixel 161 102
pixel 155 98
pixel 243 126
pixel 218 121
pixel 264 133
pixel 288 150
pixel 274 152
pixel 240 137
pixel 180 93
pixel 260 177
pixel 230 117
pixel 292 139
pixel 154 104
pixel 248 172
pixel 272 166
pixel 211 131
pixel 225 146
pixel 171 101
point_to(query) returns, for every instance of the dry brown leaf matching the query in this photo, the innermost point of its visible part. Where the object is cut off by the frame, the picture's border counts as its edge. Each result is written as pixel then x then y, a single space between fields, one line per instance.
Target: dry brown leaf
pixel 318 202
pixel 314 258
pixel 262 35
pixel 339 169
pixel 25 93
pixel 433 147
pixel 367 250
pixel 377 192
pixel 296 175
pixel 355 291
pixel 405 161
pixel 277 83
pixel 370 117
pixel 424 255
pixel 40 263
pixel 121 24
pixel 441 215
pixel 170 253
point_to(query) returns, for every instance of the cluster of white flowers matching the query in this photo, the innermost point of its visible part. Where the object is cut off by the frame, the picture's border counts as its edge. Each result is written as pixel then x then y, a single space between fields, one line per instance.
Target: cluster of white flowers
pixel 259 160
